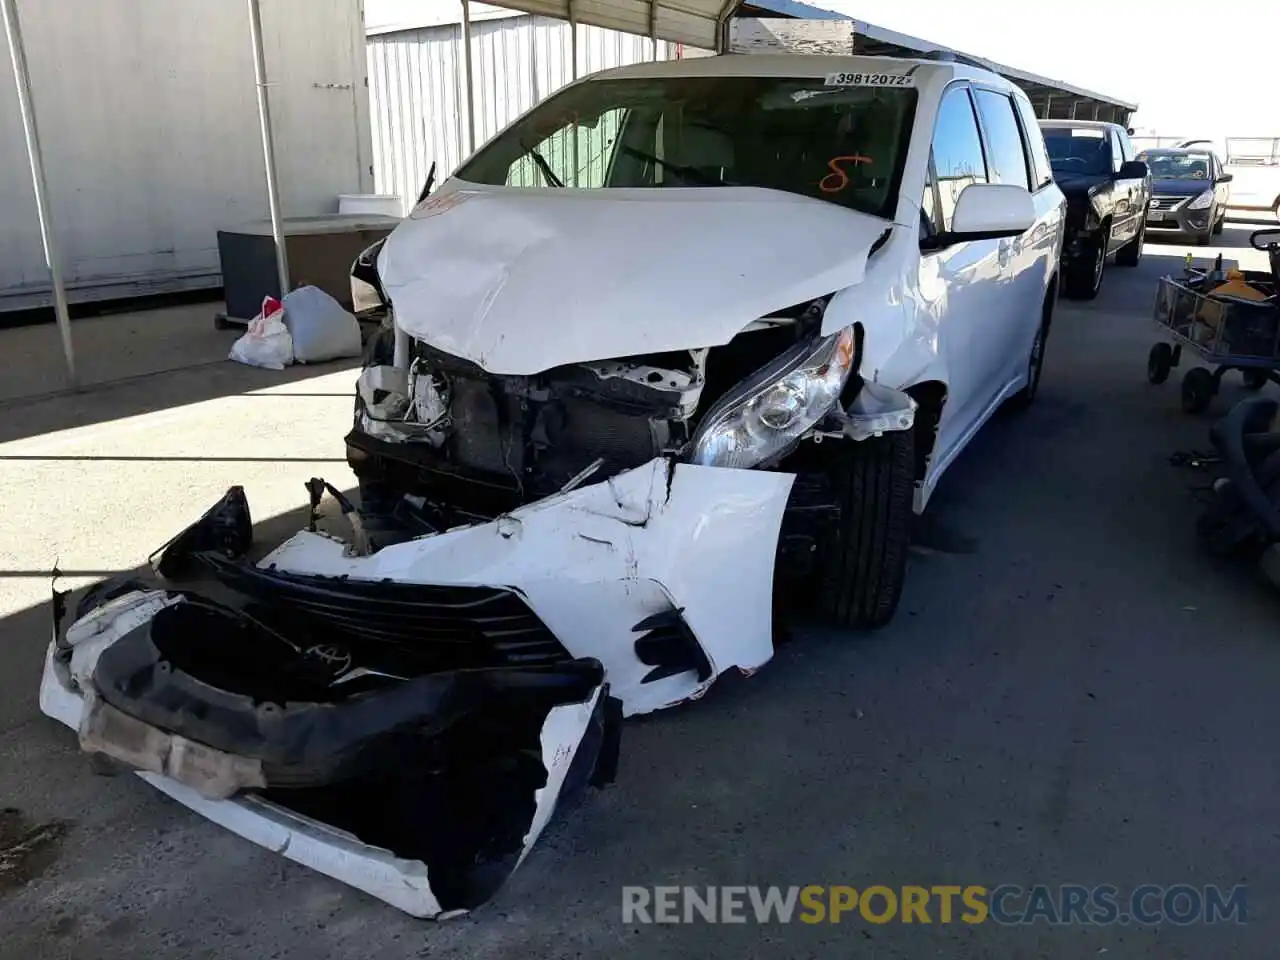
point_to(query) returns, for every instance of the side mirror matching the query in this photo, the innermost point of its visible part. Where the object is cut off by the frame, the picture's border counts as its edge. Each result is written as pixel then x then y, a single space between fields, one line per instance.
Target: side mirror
pixel 988 211
pixel 1226 178
pixel 1265 239
pixel 1133 170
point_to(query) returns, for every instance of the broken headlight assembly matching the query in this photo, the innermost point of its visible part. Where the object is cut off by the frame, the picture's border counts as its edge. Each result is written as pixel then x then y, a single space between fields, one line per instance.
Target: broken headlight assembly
pixel 766 415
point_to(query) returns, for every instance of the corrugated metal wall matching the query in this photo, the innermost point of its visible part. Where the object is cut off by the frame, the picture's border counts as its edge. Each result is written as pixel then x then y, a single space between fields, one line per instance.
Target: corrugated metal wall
pixel 148 117
pixel 418 106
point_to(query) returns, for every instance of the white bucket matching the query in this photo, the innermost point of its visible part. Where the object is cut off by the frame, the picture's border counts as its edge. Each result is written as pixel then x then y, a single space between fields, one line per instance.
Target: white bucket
pixel 360 203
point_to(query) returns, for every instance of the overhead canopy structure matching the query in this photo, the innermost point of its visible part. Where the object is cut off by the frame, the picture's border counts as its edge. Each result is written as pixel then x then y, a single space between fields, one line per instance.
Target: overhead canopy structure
pixel 775 32
pixel 695 22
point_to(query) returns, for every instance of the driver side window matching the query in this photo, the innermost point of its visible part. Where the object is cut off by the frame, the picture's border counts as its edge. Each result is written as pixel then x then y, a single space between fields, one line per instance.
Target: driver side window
pixel 957 153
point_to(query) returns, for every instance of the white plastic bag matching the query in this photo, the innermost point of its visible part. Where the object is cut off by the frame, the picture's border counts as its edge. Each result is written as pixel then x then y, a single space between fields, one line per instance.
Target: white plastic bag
pixel 320 327
pixel 267 342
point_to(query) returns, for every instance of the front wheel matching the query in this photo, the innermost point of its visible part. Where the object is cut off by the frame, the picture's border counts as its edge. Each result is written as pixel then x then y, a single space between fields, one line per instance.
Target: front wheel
pixel 1198 388
pixel 1220 225
pixel 1159 363
pixel 866 560
pixel 1084 274
pixel 1131 253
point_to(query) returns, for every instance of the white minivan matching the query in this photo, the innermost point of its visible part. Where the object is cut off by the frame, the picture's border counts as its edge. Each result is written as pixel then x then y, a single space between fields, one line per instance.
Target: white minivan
pixel 681 332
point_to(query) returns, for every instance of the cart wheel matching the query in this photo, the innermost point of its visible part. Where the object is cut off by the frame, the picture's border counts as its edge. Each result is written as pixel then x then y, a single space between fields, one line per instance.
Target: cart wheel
pixel 1198 389
pixel 1159 363
pixel 1254 379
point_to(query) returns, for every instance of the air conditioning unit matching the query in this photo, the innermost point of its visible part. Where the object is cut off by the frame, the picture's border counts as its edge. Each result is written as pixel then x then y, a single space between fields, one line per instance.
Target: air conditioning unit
pixel 320 251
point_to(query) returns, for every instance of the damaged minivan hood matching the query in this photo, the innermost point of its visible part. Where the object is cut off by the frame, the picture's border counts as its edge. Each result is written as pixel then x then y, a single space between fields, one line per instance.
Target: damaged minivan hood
pixel 523 280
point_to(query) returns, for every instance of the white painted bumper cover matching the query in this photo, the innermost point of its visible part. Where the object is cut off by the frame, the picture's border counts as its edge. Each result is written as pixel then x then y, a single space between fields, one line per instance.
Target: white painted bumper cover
pixel 595 562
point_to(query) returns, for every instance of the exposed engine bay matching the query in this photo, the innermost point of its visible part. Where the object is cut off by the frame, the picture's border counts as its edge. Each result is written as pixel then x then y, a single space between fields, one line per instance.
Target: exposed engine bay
pixel 439 442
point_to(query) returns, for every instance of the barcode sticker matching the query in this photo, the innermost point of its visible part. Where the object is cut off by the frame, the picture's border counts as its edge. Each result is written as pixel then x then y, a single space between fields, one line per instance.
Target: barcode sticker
pixel 846 79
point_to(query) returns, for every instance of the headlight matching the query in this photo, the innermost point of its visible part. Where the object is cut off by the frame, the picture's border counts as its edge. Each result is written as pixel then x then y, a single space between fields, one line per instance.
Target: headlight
pixel 767 414
pixel 1202 201
pixel 366 286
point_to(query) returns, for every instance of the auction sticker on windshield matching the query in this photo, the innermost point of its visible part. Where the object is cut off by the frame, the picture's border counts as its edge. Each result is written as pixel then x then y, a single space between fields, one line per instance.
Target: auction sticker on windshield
pixel 845 79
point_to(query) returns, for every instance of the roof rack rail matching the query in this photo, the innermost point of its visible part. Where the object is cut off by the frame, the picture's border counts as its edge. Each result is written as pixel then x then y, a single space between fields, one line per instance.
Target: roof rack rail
pixel 950 56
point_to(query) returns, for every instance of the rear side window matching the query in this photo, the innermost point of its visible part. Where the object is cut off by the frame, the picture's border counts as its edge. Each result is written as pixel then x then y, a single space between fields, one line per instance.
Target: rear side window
pixel 957 151
pixel 1004 139
pixel 1041 172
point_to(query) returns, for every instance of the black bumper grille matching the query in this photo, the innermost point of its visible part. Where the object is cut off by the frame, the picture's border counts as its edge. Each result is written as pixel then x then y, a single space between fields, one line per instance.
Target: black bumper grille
pixel 463 626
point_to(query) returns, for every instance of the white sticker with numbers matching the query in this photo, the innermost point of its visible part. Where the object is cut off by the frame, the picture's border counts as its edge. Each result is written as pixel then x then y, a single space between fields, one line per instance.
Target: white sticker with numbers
pixel 858 79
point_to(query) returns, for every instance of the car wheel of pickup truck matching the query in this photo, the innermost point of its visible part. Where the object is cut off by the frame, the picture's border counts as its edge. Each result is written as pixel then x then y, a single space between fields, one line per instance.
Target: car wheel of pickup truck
pixel 866 562
pixel 1131 253
pixel 1084 275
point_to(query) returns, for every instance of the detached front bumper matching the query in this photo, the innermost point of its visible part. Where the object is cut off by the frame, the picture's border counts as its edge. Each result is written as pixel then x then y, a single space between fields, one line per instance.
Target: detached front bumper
pixel 355 712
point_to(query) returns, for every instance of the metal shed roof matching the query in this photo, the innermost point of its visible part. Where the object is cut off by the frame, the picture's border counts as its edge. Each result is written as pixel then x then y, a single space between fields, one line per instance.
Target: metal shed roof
pixel 1051 98
pixel 695 22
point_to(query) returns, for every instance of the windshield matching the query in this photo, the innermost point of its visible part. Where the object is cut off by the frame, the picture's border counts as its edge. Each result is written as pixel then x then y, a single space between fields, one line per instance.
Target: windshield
pixel 844 144
pixel 1176 166
pixel 1078 150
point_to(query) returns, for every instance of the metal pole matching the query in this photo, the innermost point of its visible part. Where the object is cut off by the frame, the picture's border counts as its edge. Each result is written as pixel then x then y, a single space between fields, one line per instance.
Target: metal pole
pixel 653 30
pixel 466 77
pixel 268 145
pixel 22 80
pixel 573 57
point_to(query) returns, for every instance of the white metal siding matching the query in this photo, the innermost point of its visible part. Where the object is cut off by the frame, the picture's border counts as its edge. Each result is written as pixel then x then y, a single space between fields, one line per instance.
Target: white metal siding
pixel 148 121
pixel 418 105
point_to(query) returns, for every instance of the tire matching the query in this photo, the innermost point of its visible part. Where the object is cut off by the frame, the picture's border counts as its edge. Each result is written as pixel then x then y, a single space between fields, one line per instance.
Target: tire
pixel 1131 253
pixel 1023 399
pixel 1220 225
pixel 1084 279
pixel 866 560
pixel 1254 379
pixel 1198 388
pixel 1159 363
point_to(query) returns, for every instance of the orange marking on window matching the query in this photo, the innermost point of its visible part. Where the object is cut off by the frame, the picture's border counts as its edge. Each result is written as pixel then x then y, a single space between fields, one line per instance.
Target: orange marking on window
pixel 838 178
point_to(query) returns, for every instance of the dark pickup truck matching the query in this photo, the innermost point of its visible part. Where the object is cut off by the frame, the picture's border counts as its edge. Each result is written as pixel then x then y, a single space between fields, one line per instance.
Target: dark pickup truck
pixel 1107 190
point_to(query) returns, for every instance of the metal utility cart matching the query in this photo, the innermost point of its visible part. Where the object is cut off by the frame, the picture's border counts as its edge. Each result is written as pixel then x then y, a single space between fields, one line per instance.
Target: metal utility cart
pixel 1226 333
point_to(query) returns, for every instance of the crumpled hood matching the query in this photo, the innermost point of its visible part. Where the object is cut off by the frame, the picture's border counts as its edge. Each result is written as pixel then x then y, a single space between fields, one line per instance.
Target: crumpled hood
pixel 522 280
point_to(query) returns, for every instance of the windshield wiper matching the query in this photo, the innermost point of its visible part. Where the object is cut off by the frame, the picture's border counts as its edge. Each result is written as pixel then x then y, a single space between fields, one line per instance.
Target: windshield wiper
pixel 545 167
pixel 692 174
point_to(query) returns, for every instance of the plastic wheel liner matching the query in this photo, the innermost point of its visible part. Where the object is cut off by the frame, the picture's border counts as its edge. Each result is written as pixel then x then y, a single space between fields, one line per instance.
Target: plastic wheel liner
pixel 409 740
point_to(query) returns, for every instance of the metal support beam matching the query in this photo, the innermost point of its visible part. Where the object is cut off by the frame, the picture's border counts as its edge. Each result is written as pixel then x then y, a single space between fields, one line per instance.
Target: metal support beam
pixel 467 78
pixel 268 146
pixel 22 80
pixel 573 58
pixel 653 29
pixel 1075 106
